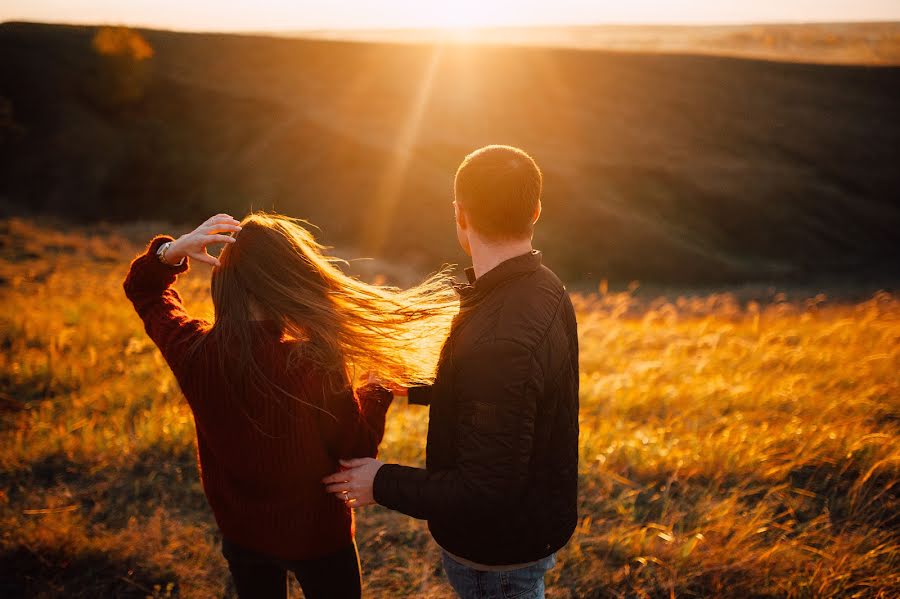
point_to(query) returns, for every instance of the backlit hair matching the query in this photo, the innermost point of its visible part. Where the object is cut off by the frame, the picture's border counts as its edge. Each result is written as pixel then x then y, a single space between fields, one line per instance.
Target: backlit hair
pixel 344 326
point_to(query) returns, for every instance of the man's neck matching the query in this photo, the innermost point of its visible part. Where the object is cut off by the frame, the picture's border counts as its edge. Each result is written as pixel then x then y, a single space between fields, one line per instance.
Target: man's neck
pixel 487 256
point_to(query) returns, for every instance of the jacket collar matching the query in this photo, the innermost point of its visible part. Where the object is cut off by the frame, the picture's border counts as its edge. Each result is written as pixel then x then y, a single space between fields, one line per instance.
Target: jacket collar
pixel 503 272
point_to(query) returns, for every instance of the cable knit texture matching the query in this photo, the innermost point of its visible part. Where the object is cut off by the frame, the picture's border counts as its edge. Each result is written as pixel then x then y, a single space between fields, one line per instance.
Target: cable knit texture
pixel 261 458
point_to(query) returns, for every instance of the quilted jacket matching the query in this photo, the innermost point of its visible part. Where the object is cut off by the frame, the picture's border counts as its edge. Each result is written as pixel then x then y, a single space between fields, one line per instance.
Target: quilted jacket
pixel 501 476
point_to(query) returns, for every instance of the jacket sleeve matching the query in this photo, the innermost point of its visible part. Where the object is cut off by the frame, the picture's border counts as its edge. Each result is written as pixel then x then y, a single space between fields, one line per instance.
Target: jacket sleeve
pixel 499 384
pixel 352 423
pixel 420 395
pixel 148 286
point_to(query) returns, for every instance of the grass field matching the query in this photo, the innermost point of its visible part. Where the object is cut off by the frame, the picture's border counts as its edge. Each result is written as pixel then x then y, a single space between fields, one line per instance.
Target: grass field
pixel 727 449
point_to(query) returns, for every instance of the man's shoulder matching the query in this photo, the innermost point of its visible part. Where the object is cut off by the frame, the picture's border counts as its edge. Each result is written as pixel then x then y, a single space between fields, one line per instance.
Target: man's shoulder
pixel 531 293
pixel 546 276
pixel 528 307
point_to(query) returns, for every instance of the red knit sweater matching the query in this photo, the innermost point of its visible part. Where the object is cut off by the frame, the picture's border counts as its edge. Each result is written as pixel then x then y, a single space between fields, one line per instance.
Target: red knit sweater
pixel 261 458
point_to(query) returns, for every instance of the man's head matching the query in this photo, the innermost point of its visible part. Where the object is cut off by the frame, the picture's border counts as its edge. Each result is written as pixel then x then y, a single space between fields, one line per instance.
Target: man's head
pixel 498 195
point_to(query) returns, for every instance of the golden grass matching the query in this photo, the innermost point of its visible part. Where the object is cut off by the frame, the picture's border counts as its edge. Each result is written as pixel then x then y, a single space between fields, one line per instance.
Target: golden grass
pixel 726 449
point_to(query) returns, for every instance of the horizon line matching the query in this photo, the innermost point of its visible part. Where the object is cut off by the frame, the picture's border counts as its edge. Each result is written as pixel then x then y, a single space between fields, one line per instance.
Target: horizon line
pixel 437 28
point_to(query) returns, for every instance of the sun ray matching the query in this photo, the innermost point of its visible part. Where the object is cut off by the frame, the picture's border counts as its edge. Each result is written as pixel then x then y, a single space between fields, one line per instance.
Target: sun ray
pixel 387 193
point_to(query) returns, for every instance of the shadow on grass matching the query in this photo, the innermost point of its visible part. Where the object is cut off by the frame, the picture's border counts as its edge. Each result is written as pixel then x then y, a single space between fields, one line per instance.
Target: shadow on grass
pixel 849 495
pixel 135 526
pixel 846 492
pixel 112 494
pixel 24 573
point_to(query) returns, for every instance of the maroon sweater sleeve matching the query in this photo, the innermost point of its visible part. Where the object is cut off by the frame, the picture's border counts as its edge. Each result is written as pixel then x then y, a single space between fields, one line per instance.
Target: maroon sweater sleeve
pixel 148 286
pixel 353 422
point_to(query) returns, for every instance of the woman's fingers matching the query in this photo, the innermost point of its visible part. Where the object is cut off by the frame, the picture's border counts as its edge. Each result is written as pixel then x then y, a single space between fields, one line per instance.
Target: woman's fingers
pixel 219 227
pixel 204 257
pixel 220 215
pixel 207 239
pixel 195 243
pixel 219 219
pixel 216 224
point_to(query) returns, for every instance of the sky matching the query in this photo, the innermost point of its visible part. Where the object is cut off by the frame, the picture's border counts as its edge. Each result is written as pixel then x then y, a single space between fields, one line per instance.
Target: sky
pixel 293 15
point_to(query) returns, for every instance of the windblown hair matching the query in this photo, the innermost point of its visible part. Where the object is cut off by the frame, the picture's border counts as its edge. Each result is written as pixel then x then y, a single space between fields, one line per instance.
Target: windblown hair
pixel 344 326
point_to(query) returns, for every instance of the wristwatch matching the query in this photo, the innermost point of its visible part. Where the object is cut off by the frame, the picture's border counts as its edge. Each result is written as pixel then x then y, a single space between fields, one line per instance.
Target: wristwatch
pixel 161 254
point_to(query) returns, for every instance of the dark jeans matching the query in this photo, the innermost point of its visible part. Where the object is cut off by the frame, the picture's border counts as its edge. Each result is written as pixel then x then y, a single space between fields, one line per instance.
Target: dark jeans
pixel 258 576
pixel 524 583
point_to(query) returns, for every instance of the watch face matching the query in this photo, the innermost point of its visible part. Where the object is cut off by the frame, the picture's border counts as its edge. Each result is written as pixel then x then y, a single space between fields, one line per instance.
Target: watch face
pixel 162 251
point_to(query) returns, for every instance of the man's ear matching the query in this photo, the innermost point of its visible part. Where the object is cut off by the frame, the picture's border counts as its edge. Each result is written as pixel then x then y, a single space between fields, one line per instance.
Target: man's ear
pixel 537 213
pixel 460 216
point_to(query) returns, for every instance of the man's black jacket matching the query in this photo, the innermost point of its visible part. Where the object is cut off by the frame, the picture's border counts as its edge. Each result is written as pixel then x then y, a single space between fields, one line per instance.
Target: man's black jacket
pixel 501 475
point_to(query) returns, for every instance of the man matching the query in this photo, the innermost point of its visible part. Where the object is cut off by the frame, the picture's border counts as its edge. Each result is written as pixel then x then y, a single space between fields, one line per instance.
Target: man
pixel 500 484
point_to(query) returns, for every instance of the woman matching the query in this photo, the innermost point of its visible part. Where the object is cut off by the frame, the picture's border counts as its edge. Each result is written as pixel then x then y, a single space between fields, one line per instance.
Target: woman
pixel 269 384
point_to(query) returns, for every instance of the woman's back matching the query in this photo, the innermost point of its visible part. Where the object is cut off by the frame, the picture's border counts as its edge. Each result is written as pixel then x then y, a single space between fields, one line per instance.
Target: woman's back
pixel 262 450
pixel 270 423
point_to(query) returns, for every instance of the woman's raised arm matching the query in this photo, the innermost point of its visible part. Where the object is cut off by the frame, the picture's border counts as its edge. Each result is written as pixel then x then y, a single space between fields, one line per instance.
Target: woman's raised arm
pixel 151 276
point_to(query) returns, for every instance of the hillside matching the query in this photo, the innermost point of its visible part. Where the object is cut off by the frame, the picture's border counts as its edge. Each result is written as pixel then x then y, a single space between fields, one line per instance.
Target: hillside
pixel 668 168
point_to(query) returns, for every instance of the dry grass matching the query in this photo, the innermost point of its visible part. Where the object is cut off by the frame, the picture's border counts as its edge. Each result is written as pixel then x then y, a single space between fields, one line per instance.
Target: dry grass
pixel 726 450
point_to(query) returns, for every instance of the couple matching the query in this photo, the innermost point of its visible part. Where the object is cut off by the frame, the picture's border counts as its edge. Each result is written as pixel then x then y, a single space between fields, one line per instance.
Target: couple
pixel 286 446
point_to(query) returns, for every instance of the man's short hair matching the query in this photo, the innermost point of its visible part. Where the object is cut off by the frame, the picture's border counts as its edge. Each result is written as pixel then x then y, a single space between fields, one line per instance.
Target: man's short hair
pixel 500 188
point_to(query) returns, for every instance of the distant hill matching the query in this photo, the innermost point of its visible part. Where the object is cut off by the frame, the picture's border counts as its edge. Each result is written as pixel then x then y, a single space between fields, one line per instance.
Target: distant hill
pixel 667 168
pixel 827 43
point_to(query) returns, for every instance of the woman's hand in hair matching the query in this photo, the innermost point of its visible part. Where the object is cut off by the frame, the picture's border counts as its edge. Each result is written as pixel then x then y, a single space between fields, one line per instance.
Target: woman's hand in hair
pixel 193 245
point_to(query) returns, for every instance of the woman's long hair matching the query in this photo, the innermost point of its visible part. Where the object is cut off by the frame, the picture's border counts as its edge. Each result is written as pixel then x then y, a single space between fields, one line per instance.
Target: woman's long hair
pixel 344 326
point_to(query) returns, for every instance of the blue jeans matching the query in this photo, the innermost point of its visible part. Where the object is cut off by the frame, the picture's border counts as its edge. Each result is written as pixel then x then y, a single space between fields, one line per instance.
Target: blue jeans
pixel 524 583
